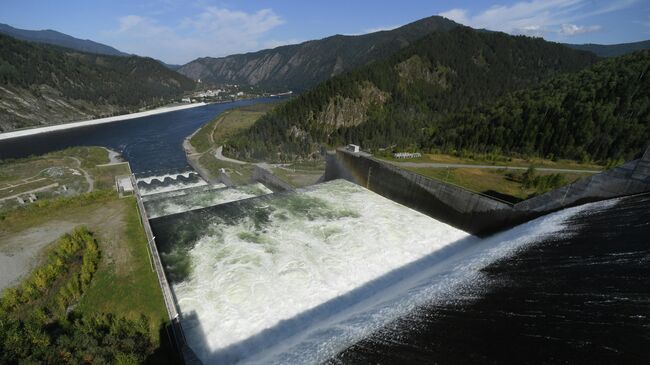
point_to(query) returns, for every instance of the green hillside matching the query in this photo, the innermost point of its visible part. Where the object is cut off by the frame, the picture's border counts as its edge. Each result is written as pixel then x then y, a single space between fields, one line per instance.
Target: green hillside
pixel 611 50
pixel 405 99
pixel 59 84
pixel 600 113
pixel 302 66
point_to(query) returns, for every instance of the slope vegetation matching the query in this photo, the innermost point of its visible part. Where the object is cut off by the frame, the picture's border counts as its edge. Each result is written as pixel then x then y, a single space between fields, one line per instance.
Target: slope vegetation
pixel 301 66
pixel 405 99
pixel 55 38
pixel 612 50
pixel 42 84
pixel 598 114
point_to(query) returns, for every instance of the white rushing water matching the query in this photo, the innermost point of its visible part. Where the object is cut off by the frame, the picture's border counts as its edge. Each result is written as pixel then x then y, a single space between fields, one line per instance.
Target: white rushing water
pixel 317 245
pixel 324 269
pixel 161 178
pixel 196 200
pixel 176 184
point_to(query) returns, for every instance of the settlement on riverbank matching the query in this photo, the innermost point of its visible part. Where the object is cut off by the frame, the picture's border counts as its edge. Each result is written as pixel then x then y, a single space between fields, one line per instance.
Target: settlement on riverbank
pixel 58 127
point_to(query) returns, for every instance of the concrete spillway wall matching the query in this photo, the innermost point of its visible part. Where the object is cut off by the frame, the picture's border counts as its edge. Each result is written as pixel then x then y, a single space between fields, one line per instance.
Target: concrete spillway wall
pixel 474 212
pixel 271 181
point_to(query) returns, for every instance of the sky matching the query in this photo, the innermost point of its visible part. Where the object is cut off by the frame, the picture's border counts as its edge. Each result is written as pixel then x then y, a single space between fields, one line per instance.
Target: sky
pixel 179 31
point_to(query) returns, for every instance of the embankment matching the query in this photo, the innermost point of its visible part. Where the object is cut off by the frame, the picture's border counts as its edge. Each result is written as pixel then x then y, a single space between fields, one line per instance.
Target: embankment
pixel 59 127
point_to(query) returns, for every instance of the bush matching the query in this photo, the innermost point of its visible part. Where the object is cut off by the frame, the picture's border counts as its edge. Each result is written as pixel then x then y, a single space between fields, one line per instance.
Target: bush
pixel 30 333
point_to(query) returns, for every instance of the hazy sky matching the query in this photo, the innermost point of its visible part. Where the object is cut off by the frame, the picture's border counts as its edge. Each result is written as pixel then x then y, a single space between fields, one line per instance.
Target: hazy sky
pixel 179 31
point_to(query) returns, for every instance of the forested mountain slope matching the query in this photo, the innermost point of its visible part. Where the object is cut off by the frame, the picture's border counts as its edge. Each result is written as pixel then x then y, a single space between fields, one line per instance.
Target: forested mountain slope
pixel 406 98
pixel 41 84
pixel 612 50
pixel 55 38
pixel 600 113
pixel 301 66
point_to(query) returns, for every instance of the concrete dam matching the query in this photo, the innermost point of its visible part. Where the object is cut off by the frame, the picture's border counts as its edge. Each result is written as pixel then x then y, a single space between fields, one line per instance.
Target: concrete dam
pixel 267 274
pixel 477 213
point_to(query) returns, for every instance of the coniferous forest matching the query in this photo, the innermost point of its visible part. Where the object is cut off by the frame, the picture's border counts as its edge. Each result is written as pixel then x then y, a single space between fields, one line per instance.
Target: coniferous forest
pixel 471 90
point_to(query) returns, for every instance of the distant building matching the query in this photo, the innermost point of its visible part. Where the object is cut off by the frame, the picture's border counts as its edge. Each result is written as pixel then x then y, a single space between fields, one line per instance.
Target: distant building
pixel 186 100
pixel 353 148
pixel 407 155
pixel 241 93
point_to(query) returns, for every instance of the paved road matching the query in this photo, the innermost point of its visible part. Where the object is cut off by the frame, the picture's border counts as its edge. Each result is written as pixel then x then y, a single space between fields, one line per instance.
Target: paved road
pixel 219 155
pixel 435 165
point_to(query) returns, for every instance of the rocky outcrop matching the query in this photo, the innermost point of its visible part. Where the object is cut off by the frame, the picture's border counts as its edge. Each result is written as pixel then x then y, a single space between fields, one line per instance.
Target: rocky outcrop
pixel 20 108
pixel 416 69
pixel 349 112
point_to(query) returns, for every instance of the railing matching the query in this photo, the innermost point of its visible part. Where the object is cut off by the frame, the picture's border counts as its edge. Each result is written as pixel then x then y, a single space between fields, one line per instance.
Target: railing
pixel 186 353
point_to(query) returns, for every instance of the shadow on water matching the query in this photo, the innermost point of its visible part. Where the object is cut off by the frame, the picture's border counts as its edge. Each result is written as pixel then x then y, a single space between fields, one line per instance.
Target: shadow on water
pixel 433 269
pixel 581 296
pixel 324 327
pixel 355 300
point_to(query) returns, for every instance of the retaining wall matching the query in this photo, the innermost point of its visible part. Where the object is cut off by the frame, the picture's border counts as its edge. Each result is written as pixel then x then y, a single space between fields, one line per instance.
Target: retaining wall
pixel 477 213
pixel 271 181
pixel 187 355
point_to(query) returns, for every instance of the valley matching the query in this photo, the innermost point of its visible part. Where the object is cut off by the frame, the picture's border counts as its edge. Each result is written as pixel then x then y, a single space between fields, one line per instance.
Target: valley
pixel 229 184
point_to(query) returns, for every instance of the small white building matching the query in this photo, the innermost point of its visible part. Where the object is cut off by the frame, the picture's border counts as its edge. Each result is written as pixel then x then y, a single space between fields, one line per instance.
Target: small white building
pixel 353 148
pixel 407 155
pixel 124 185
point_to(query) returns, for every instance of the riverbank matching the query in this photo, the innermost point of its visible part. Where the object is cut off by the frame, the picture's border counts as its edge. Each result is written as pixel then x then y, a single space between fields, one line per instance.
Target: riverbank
pixel 204 152
pixel 59 127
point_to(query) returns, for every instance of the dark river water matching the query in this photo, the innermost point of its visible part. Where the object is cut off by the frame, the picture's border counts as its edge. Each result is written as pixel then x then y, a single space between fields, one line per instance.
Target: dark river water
pixel 582 296
pixel 151 143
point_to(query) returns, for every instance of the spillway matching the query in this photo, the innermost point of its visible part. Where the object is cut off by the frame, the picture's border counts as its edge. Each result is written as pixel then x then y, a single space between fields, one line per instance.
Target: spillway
pixel 579 294
pixel 243 268
pixel 153 183
pixel 306 277
pixel 183 200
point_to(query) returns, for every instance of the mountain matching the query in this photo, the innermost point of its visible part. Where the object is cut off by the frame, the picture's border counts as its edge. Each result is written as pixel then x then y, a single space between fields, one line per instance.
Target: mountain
pixel 405 98
pixel 601 113
pixel 55 38
pixel 301 66
pixel 612 50
pixel 42 84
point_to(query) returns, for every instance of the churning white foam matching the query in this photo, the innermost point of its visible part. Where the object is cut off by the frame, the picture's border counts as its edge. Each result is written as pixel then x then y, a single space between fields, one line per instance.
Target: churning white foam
pixel 176 184
pixel 310 282
pixel 161 178
pixel 320 245
pixel 203 199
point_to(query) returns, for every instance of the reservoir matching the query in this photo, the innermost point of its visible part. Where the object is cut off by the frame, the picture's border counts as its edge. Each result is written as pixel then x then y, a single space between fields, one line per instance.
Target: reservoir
pixel 150 144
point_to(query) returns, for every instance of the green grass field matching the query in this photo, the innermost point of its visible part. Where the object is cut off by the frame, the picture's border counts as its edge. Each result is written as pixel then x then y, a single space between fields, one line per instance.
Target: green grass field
pixel 56 174
pixel 496 183
pixel 124 283
pixel 478 159
pixel 104 176
pixel 301 174
pixel 217 131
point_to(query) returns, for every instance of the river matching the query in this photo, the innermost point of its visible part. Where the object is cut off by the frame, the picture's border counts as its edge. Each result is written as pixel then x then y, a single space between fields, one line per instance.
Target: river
pixel 151 143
